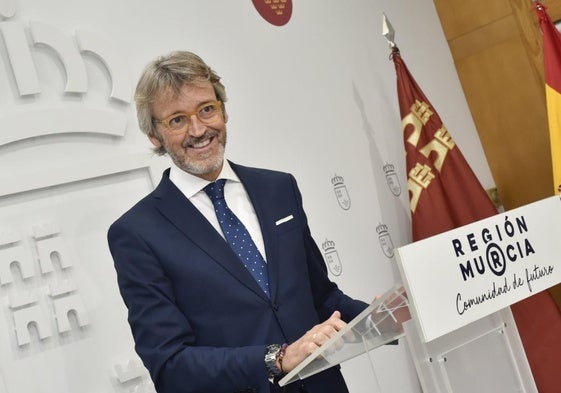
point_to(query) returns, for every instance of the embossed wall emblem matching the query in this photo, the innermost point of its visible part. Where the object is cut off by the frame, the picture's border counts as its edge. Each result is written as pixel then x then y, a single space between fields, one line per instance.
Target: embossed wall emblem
pixel 54 287
pixel 332 257
pixel 385 240
pixel 392 179
pixel 36 116
pixel 341 192
pixel 58 310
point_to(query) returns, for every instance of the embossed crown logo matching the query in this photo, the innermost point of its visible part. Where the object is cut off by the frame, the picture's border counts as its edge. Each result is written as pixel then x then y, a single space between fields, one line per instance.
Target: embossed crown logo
pixel 35 113
pixel 382 229
pixel 389 168
pixel 328 245
pixel 337 180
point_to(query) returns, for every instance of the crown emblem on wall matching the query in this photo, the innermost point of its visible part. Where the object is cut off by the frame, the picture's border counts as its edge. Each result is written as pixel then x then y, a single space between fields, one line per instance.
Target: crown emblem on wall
pixel 389 168
pixel 276 12
pixel 385 240
pixel 341 192
pixel 337 180
pixel 276 5
pixel 331 256
pixel 328 245
pixel 35 113
pixel 382 229
pixel 391 179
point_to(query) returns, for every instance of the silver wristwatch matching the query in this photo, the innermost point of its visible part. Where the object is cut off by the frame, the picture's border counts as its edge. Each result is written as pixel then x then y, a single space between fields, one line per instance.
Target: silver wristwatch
pixel 271 354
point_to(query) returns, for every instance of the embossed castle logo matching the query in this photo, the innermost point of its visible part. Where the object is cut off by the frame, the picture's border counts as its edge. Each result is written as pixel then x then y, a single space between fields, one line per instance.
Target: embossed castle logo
pixel 35 113
pixel 28 306
pixel 385 240
pixel 341 192
pixel 332 257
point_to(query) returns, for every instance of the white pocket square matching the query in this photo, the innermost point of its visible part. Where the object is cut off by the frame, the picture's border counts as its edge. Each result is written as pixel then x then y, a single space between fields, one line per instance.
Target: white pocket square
pixel 283 220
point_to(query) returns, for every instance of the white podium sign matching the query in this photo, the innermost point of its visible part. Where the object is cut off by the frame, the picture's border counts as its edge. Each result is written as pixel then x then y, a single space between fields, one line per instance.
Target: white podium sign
pixel 462 275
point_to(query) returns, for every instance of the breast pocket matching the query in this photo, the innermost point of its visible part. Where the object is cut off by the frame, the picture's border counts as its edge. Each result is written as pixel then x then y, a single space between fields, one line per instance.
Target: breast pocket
pixel 285 224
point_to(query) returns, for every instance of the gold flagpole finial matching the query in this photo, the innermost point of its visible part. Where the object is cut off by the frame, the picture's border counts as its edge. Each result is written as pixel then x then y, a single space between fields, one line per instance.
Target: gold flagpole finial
pixel 388 31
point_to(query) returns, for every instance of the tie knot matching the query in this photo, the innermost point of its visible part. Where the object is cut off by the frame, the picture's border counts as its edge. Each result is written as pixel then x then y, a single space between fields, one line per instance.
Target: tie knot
pixel 215 190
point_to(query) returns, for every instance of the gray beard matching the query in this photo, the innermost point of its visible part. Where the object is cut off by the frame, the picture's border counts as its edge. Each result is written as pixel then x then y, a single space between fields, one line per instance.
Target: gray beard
pixel 200 168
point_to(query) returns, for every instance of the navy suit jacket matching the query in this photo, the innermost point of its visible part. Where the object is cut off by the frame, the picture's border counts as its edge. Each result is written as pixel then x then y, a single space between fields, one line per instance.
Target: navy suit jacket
pixel 199 320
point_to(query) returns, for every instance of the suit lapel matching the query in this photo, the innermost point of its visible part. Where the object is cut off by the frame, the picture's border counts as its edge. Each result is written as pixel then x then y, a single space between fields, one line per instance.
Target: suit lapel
pixel 176 208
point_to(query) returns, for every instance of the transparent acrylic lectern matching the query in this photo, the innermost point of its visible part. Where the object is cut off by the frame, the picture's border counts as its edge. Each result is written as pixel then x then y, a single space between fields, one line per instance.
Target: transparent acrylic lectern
pixel 380 324
pixel 486 356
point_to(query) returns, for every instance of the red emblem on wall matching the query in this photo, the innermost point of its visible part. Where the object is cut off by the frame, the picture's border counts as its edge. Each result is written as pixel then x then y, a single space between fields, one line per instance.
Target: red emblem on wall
pixel 276 12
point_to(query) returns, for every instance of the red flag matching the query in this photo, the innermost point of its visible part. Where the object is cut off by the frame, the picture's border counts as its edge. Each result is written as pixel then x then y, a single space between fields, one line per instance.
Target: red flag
pixel 444 194
pixel 552 69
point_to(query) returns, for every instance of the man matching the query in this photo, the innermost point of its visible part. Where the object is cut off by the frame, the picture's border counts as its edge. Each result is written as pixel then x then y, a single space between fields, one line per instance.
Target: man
pixel 200 320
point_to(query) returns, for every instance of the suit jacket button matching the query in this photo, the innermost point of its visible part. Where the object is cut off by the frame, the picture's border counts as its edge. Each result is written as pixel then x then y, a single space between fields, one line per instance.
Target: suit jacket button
pixel 275 306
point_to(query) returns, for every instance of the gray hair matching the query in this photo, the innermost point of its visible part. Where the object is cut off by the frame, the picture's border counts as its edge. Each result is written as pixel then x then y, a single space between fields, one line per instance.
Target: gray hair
pixel 166 74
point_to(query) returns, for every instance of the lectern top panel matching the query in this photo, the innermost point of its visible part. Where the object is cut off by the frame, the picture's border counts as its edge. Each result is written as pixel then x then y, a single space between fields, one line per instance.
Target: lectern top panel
pixel 379 324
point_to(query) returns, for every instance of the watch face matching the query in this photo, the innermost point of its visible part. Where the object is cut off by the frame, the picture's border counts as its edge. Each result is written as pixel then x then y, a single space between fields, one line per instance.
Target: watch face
pixel 271 353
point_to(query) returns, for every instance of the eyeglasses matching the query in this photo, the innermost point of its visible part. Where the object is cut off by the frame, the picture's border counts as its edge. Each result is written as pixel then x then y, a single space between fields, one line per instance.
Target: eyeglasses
pixel 179 122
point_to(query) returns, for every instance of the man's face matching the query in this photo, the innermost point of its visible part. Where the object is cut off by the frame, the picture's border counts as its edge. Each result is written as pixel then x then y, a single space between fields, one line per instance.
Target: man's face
pixel 198 150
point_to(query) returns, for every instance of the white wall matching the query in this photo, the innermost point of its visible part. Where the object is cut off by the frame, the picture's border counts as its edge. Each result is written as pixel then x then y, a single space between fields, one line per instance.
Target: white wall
pixel 315 97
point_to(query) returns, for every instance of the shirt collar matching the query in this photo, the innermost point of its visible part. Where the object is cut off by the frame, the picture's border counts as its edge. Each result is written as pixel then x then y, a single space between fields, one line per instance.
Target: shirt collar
pixel 190 184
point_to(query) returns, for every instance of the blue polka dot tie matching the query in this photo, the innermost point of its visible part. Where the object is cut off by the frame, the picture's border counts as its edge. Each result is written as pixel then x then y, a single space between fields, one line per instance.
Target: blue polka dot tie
pixel 237 235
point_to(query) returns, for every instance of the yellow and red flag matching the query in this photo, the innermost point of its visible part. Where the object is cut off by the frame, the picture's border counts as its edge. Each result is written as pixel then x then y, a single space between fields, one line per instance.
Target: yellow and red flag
pixel 444 193
pixel 552 69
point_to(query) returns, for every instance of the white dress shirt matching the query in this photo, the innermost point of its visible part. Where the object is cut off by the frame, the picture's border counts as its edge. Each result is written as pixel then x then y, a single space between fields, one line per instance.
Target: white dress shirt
pixel 236 198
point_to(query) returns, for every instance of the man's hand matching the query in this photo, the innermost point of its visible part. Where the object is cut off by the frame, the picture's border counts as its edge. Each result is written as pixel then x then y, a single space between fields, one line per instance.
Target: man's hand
pixel 313 339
